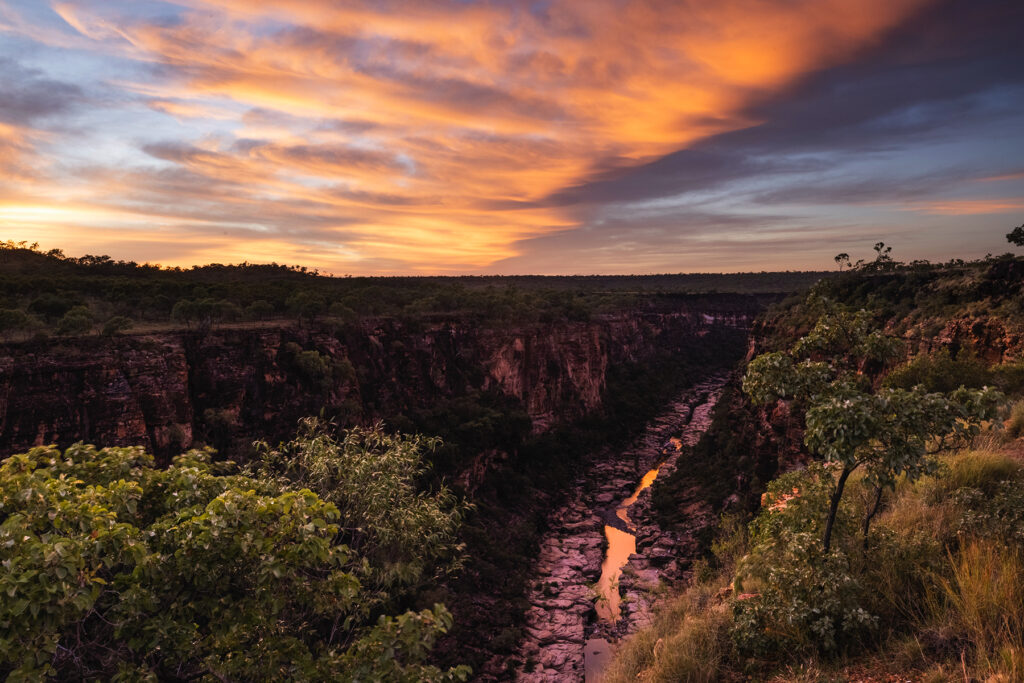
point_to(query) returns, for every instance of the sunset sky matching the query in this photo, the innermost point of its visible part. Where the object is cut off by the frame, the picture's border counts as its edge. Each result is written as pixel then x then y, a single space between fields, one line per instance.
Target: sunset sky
pixel 544 136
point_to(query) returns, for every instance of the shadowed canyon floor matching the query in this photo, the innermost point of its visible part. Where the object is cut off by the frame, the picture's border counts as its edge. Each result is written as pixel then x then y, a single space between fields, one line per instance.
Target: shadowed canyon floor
pixel 576 614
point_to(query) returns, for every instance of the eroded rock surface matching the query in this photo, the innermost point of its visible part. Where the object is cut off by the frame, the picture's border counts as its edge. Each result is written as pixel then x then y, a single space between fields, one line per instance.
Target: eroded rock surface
pixel 562 615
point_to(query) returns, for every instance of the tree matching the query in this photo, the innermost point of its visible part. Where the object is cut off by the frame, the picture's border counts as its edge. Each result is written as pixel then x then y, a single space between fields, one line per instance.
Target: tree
pixel 830 373
pixel 50 306
pixel 259 310
pixel 306 305
pixel 203 312
pixel 842 260
pixel 116 325
pixel 1016 236
pixel 114 569
pixel 78 320
pixel 11 320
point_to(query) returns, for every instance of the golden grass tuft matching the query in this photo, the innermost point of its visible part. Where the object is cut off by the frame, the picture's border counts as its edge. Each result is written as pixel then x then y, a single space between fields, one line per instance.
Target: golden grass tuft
pixel 688 640
pixel 1015 425
pixel 985 595
pixel 980 469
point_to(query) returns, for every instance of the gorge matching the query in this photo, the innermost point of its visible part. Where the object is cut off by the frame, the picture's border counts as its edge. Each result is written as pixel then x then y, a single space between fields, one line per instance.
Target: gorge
pixel 516 391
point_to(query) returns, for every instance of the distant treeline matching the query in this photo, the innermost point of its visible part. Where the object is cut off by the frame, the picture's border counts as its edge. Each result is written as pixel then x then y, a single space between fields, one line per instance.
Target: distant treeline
pixel 47 293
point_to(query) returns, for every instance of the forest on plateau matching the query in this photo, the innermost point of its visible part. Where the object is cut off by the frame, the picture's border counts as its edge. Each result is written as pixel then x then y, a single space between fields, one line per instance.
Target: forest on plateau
pixel 48 294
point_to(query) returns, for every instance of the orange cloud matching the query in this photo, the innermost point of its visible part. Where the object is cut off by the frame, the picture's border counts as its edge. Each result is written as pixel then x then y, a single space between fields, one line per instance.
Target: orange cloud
pixel 1003 177
pixel 968 207
pixel 428 135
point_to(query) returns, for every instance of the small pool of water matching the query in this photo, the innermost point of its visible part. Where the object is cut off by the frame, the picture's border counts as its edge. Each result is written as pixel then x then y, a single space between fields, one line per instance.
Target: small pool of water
pixel 621 544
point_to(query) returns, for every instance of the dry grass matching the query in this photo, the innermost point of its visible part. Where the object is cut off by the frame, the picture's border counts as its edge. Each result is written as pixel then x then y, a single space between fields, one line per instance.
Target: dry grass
pixel 688 640
pixel 980 469
pixel 1015 425
pixel 983 599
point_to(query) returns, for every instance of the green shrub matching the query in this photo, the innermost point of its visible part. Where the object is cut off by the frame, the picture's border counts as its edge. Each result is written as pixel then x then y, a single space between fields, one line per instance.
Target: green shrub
pixel 1009 377
pixel 994 512
pixel 410 537
pixel 259 310
pixel 78 320
pixel 941 372
pixel 805 599
pixel 12 320
pixel 115 569
pixel 317 368
pixel 116 325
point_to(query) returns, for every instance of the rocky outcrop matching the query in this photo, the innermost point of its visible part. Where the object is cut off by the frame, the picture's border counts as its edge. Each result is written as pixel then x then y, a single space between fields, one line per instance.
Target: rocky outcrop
pixel 990 338
pixel 226 387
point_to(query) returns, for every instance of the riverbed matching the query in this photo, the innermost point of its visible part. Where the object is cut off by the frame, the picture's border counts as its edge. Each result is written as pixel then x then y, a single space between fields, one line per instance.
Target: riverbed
pixel 603 559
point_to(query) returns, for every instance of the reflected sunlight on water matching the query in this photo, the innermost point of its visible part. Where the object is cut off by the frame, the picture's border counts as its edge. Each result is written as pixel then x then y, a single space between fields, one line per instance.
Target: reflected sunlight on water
pixel 621 544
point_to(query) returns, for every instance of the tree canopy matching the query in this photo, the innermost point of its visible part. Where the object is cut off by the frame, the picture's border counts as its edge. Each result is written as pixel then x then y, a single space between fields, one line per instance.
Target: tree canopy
pixel 117 570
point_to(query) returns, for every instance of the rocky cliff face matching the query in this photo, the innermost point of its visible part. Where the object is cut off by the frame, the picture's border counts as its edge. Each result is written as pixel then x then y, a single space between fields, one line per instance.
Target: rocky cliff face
pixel 990 338
pixel 173 390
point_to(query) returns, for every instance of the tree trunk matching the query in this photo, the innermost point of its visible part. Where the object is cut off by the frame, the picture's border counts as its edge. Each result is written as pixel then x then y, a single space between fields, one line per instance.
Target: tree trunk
pixel 871 513
pixel 834 507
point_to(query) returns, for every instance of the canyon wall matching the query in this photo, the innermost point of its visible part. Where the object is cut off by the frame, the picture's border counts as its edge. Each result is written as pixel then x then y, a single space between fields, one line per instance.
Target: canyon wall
pixel 225 387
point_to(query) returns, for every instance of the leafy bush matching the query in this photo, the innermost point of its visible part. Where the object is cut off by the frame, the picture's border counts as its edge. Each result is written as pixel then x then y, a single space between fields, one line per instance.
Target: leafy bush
pixel 1009 377
pixel 319 369
pixel 78 320
pixel 116 325
pixel 51 306
pixel 115 569
pixel 11 320
pixel 807 598
pixel 941 372
pixel 259 310
pixel 999 514
pixel 409 536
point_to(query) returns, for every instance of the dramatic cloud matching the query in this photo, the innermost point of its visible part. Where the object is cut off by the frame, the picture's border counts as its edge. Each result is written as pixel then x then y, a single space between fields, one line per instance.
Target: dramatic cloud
pixel 512 136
